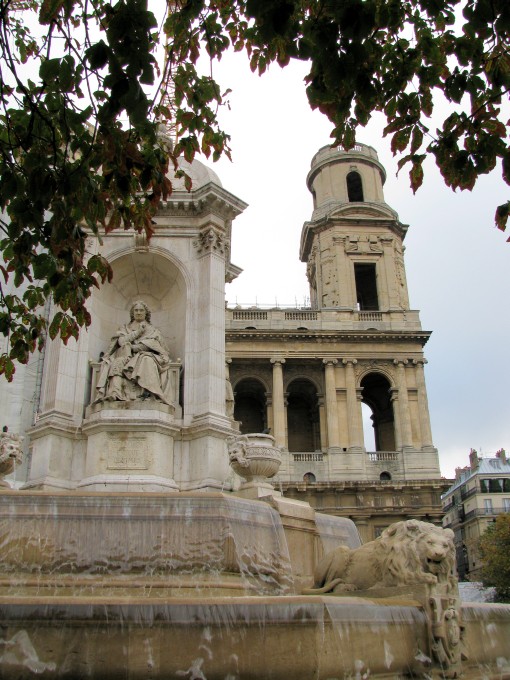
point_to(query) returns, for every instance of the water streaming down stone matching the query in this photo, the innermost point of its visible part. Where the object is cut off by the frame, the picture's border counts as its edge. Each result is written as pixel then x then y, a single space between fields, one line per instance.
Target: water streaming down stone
pixel 202 586
pixel 334 531
pixel 199 542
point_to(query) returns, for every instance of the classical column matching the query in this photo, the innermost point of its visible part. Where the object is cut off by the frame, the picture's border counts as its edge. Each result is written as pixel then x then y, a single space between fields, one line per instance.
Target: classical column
pixel 403 402
pixel 391 292
pixel 423 405
pixel 323 434
pixel 278 403
pixel 355 442
pixel 269 410
pixel 396 418
pixel 331 405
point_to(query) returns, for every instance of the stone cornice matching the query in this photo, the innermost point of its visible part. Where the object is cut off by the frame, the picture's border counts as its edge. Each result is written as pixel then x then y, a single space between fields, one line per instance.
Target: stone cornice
pixel 440 484
pixel 206 199
pixel 263 335
pixel 351 224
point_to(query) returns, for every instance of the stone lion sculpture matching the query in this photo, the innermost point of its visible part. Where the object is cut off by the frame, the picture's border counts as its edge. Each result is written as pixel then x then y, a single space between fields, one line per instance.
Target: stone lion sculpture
pixel 408 552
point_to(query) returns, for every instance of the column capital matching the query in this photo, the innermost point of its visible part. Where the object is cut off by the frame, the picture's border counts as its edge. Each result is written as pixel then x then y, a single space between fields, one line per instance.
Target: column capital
pixel 423 361
pixel 332 362
pixel 228 360
pixel 349 361
pixel 398 362
pixel 277 360
pixel 393 393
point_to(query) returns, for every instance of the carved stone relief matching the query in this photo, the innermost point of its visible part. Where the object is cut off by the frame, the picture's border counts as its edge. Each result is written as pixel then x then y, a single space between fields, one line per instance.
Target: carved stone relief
pixel 211 240
pixel 330 292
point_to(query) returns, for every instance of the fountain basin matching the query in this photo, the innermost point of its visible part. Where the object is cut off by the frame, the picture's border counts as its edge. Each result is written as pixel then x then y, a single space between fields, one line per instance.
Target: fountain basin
pixel 247 638
pixel 204 586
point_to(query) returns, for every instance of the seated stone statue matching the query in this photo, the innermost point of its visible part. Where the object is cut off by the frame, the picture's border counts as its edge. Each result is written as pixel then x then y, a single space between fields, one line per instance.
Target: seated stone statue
pixel 135 365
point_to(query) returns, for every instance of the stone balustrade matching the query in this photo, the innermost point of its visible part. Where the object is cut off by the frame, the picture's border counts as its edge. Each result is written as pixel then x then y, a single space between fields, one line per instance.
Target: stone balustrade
pixel 279 318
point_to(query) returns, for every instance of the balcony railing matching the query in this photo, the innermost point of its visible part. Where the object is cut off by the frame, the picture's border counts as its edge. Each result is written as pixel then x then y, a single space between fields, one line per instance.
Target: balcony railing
pixel 370 316
pixel 382 456
pixel 467 494
pixel 249 315
pixel 262 318
pixel 301 316
pixel 316 457
pixel 484 512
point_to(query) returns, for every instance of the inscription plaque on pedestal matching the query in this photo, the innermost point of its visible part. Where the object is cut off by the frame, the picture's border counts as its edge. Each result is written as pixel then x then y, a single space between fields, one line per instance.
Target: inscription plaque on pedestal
pixel 128 454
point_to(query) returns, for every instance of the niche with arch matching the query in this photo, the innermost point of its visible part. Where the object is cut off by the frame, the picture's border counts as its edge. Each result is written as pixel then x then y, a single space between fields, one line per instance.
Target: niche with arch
pixel 152 278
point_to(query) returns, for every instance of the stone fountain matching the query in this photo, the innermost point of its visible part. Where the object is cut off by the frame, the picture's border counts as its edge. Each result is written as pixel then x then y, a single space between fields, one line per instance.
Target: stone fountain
pixel 148 540
pixel 210 585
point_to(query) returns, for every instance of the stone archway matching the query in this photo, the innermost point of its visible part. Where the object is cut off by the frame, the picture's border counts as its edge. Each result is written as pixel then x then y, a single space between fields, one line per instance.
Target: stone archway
pixel 303 428
pixel 377 396
pixel 250 405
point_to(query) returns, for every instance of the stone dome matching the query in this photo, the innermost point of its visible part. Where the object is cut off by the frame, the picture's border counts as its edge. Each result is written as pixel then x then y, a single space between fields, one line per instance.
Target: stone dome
pixel 200 175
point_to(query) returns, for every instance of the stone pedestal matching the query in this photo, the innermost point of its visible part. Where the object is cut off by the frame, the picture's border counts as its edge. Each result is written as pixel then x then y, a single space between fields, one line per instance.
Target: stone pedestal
pixel 130 447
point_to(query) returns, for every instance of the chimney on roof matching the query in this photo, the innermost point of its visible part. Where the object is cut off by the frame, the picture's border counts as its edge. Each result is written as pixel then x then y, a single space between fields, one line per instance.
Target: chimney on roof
pixel 473 460
pixel 501 454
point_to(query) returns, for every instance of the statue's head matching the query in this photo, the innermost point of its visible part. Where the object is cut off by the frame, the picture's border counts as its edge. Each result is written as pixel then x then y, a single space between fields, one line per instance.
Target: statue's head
pixel 140 303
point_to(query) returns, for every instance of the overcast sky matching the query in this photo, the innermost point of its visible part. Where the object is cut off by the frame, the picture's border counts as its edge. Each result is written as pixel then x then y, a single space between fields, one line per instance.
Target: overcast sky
pixel 456 260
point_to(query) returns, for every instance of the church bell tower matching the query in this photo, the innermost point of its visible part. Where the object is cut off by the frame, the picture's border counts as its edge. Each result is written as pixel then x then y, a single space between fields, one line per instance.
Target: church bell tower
pixel 341 384
pixel 353 247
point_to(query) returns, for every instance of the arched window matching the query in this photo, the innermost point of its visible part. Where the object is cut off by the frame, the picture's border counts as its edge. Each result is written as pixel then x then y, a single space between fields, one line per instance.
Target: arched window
pixel 354 187
pixel 385 477
pixel 309 478
pixel 376 394
pixel 303 416
pixel 250 405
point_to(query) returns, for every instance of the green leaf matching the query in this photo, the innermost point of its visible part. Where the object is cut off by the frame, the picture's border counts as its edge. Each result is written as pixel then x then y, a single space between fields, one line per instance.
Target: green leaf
pixel 501 216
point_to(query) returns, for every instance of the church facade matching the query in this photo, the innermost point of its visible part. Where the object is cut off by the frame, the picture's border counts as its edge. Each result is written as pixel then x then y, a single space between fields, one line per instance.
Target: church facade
pixel 91 423
pixel 305 373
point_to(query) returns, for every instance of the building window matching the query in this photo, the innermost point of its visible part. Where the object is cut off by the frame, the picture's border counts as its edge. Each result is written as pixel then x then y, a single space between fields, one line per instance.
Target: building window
pixel 354 187
pixel 309 478
pixel 506 504
pixel 385 477
pixel 494 485
pixel 366 286
pixel 487 504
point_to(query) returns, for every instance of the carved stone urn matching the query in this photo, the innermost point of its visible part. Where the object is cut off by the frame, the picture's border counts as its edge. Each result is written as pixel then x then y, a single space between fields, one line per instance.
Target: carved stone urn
pixel 255 458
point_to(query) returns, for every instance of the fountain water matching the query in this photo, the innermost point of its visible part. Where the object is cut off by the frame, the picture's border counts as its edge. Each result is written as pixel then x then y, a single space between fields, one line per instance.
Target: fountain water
pixel 207 586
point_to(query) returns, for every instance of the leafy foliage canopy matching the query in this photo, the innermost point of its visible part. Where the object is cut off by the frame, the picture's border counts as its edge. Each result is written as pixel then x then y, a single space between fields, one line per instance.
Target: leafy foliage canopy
pixel 495 553
pixel 86 87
